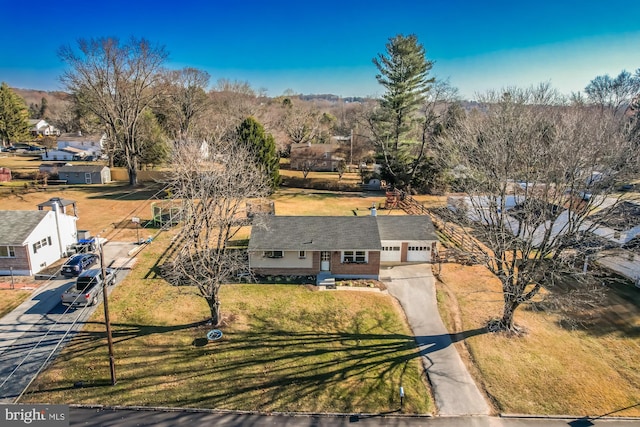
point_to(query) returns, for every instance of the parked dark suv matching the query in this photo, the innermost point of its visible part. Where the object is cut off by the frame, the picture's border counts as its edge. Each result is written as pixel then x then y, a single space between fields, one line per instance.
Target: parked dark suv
pixel 78 263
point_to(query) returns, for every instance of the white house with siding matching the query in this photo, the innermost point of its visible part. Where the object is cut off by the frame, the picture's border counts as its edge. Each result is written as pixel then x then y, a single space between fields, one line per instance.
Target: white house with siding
pixel 91 144
pixel 40 127
pixel 33 240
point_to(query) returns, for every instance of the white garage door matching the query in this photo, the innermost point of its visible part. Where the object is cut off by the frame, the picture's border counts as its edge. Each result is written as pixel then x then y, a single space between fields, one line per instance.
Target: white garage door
pixel 418 254
pixel 390 254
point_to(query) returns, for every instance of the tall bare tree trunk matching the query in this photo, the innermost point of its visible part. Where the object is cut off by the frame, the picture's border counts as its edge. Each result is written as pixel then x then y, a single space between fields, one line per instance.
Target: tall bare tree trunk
pixel 506 323
pixel 133 174
pixel 214 307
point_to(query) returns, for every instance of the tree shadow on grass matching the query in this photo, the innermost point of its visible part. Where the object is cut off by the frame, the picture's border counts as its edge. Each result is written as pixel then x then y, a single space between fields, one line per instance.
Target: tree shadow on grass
pixel 461 336
pixel 614 309
pixel 267 366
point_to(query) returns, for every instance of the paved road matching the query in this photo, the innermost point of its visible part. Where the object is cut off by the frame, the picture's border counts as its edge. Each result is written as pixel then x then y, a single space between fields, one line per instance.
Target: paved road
pixel 33 333
pixel 453 387
pixel 132 417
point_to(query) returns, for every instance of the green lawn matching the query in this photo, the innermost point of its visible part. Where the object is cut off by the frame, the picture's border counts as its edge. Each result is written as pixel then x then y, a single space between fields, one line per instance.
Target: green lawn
pixel 286 348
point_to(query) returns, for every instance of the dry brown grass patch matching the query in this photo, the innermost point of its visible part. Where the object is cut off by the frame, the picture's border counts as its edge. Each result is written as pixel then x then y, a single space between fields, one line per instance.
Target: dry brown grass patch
pixel 550 370
pixel 11 298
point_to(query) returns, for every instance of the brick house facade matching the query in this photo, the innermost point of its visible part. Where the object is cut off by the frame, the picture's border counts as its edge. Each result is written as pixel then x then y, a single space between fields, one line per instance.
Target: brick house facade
pixel 340 247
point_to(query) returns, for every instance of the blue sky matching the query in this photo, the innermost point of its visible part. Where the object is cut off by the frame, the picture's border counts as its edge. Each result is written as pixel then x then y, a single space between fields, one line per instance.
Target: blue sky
pixel 327 46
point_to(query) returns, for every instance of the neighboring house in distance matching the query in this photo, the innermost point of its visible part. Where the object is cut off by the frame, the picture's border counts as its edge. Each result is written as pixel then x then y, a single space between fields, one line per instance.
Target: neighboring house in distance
pixel 66 154
pixel 337 246
pixel 315 157
pixel 91 144
pixel 50 168
pixel 619 224
pixel 40 127
pixel 85 174
pixel 32 240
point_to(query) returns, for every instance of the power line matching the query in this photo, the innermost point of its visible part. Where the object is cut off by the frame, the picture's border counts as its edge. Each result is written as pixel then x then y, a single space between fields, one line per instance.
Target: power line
pixel 115 232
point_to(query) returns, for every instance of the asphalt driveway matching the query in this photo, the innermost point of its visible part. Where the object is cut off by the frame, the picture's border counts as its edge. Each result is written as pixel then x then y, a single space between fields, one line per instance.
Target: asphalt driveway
pixel 453 387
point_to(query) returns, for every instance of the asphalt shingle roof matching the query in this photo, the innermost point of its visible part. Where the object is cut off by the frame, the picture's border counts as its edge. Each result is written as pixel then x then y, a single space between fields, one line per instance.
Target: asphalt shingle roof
pixel 326 233
pixel 317 233
pixel 406 227
pixel 15 226
pixel 81 168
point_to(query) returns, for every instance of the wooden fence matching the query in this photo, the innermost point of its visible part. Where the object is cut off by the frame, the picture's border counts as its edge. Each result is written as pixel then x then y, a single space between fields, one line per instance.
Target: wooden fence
pixel 464 249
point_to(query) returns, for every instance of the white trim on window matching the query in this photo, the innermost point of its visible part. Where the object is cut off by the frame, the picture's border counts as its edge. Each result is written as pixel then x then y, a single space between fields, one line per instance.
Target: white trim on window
pixel 41 244
pixel 354 257
pixel 273 254
pixel 7 252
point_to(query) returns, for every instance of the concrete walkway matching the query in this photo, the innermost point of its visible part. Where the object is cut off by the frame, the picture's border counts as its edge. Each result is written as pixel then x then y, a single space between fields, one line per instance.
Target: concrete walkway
pixel 454 390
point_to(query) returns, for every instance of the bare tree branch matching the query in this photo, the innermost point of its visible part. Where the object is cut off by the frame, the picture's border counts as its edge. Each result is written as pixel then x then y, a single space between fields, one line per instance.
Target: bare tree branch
pixel 213 186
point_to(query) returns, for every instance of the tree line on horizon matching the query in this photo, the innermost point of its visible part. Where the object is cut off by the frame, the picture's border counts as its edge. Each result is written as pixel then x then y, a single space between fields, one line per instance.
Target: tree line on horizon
pixel 174 104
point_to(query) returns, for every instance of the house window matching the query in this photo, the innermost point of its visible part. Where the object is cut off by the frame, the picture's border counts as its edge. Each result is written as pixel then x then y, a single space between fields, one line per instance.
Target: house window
pixel 302 254
pixel 273 254
pixel 41 244
pixel 7 252
pixel 354 257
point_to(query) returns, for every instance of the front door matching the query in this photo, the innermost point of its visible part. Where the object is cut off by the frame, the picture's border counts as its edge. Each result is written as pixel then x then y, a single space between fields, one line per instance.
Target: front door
pixel 87 178
pixel 325 261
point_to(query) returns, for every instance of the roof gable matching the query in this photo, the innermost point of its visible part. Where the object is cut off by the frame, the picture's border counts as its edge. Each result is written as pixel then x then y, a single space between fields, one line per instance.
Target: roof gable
pixel 16 226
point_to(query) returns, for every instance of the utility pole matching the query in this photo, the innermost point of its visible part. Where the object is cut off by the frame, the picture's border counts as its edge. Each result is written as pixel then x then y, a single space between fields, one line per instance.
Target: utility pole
pixel 107 319
pixel 351 149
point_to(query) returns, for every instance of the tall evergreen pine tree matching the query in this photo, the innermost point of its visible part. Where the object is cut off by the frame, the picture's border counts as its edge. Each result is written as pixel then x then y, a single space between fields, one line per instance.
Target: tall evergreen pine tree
pixel 252 133
pixel 404 74
pixel 14 116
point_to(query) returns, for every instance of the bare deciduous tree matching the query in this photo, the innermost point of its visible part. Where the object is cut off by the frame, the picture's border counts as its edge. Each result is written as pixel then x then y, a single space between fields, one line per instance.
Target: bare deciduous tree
pixel 614 93
pixel 229 104
pixel 301 122
pixel 116 82
pixel 213 188
pixel 186 101
pixel 538 179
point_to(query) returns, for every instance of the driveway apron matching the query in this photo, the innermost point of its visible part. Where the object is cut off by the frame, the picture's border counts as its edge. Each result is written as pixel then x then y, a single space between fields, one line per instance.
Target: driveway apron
pixel 453 387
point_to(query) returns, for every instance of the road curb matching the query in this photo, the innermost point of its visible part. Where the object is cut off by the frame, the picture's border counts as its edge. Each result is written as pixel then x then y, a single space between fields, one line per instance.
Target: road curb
pixel 568 417
pixel 238 412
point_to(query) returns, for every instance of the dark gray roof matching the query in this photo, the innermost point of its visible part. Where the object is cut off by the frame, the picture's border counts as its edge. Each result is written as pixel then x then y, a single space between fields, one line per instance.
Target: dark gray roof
pixel 406 227
pixel 74 137
pixel 15 226
pixel 315 233
pixel 82 168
